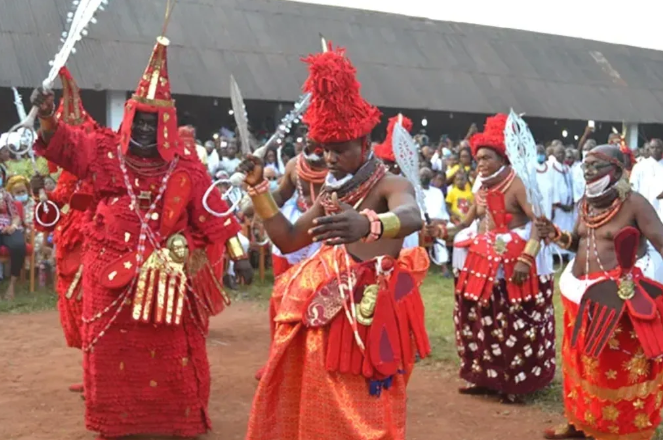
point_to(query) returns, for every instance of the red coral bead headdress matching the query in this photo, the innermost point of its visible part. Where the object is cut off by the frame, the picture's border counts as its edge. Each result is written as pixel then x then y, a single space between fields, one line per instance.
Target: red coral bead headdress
pixel 153 96
pixel 337 112
pixel 492 136
pixel 385 150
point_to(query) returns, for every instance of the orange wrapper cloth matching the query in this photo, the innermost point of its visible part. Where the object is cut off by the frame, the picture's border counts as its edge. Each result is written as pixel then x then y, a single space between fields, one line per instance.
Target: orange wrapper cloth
pixel 619 394
pixel 307 393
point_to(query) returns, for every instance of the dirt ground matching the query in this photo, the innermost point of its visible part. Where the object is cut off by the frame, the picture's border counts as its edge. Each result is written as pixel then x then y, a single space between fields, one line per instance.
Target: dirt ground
pixel 36 368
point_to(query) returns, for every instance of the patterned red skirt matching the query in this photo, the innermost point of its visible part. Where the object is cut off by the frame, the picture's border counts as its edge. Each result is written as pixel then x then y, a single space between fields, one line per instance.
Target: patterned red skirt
pixel 509 348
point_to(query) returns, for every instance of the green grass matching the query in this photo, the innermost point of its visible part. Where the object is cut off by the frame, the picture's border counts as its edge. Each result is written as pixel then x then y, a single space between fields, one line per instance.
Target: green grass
pixel 26 302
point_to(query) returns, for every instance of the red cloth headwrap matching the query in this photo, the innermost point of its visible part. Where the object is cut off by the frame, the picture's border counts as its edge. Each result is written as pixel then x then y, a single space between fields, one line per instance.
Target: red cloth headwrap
pixel 153 96
pixel 337 112
pixel 385 150
pixel 492 136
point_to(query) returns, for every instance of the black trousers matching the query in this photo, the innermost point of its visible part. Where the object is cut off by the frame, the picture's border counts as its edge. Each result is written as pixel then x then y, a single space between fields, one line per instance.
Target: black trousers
pixel 15 244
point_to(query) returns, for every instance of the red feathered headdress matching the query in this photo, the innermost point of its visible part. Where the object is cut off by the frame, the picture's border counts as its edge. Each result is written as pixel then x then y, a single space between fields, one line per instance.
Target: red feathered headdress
pixel 337 112
pixel 153 96
pixel 71 110
pixel 385 150
pixel 492 136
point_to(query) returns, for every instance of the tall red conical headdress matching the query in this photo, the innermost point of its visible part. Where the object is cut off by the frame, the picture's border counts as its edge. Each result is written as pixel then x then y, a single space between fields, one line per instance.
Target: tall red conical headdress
pixel 153 96
pixel 71 110
pixel 492 136
pixel 337 112
pixel 385 150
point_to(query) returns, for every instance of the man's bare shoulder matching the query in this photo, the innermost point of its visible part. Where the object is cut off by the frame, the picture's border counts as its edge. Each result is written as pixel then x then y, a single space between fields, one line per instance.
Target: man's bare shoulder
pixel 636 200
pixel 392 182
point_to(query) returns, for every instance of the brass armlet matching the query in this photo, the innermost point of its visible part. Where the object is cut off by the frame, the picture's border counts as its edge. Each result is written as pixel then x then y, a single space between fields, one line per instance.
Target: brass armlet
pixel 235 249
pixel 264 205
pixel 532 248
pixel 49 123
pixel 391 225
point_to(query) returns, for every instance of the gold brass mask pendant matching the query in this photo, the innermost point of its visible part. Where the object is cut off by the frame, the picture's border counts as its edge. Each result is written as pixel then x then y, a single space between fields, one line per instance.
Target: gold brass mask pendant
pixel 626 289
pixel 366 308
pixel 161 286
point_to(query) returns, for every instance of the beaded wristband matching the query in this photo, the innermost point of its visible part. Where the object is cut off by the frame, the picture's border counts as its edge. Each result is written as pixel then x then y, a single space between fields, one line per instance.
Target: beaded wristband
pixel 260 188
pixel 375 225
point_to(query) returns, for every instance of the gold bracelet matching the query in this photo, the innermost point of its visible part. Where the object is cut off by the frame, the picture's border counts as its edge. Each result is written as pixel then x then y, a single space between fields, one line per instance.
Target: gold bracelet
pixel 264 205
pixel 565 244
pixel 532 248
pixel 235 249
pixel 391 225
pixel 48 123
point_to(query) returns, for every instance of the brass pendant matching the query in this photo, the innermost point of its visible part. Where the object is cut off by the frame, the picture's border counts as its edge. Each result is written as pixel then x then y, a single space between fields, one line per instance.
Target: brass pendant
pixel 626 289
pixel 178 247
pixel 499 246
pixel 65 209
pixel 366 308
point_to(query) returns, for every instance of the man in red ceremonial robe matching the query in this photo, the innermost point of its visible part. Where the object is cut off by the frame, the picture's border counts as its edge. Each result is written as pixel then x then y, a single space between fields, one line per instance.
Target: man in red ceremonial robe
pixel 350 318
pixel 148 285
pixel 504 317
pixel 613 308
pixel 73 198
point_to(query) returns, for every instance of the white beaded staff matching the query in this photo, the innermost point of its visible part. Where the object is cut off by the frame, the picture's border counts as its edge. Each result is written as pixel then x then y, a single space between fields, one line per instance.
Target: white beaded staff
pixel 79 20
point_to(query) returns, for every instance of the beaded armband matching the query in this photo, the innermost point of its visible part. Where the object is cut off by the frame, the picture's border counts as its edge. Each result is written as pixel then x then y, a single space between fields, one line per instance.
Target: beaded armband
pixel 375 225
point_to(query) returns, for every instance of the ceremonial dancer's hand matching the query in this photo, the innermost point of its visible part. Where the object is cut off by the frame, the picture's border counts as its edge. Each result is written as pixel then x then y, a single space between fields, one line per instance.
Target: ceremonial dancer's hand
pixel 244 270
pixel 346 227
pixel 545 228
pixel 431 230
pixel 37 183
pixel 44 100
pixel 252 166
pixel 520 273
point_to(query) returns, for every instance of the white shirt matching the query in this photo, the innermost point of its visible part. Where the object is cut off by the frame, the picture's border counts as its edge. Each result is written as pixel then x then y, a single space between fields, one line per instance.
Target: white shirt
pixel 213 162
pixel 546 181
pixel 578 180
pixel 647 179
pixel 436 206
pixel 230 165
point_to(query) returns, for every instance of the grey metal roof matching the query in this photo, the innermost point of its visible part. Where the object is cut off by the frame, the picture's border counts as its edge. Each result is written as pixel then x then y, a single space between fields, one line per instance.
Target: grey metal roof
pixel 403 62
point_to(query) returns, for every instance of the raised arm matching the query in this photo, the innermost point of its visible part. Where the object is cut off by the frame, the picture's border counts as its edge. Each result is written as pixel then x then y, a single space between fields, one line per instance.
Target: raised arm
pixel 69 148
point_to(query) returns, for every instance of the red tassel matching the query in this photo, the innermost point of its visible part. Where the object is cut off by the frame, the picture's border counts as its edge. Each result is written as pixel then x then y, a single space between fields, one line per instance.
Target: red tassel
pixel 347 341
pixel 357 361
pixel 385 339
pixel 334 343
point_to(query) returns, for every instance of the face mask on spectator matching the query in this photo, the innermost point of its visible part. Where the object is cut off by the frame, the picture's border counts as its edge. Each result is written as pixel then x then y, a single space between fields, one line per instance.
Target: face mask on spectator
pixel 541 158
pixel 21 198
pixel 273 185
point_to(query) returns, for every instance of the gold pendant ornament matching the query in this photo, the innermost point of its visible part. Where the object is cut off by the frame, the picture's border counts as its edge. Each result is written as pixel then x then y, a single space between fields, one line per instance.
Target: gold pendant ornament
pixel 626 289
pixel 65 209
pixel 161 288
pixel 366 307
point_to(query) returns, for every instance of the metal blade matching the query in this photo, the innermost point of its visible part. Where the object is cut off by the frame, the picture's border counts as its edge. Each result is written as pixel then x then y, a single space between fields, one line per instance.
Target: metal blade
pixel 407 158
pixel 239 110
